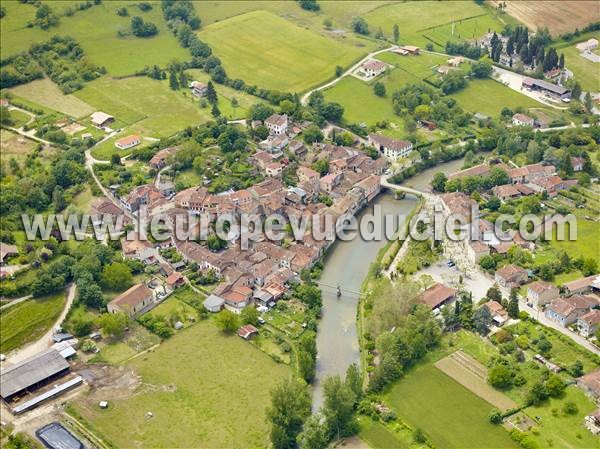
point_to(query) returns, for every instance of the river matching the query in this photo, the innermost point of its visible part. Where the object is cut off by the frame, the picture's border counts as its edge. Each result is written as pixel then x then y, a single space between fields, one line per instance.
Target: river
pixel 346 264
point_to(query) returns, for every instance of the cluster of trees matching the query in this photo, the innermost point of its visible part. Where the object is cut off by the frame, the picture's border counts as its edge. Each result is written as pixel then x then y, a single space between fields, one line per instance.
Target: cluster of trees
pixel 290 412
pixel 157 324
pixel 594 26
pixel 44 17
pixel 64 61
pixel 453 82
pixel 425 103
pixel 309 5
pixel 18 69
pixel 416 333
pixel 463 48
pixel 470 184
pixel 139 28
pixel 360 26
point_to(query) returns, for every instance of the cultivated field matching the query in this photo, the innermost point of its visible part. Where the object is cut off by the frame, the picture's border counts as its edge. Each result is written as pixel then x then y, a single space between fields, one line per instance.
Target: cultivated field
pixel 27 321
pixel 203 388
pixel 13 145
pixel 559 16
pixel 449 414
pixel 377 436
pixel 426 22
pixel 250 46
pixel 48 94
pixel 471 374
pixel 96 30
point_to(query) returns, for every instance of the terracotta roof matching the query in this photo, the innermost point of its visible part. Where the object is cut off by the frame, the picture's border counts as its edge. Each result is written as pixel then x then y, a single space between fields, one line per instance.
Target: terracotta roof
pixel 374 65
pixel 133 296
pixel 591 318
pixel 387 142
pixel 522 118
pixel 509 271
pixel 566 306
pixel 277 119
pixel 592 381
pixel 581 283
pixel 436 295
pixel 129 140
pixel 174 277
pixel 247 330
pixel 541 286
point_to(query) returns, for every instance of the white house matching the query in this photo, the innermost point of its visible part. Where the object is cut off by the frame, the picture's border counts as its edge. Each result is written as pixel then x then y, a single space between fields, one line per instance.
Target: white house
pixel 128 142
pixel 372 68
pixel 392 149
pixel 198 89
pixel 522 120
pixel 277 124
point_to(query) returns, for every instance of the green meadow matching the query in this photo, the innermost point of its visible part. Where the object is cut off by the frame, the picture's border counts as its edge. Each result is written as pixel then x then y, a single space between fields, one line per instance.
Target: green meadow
pixel 431 21
pixel 585 71
pixel 204 389
pixel 251 48
pixel 96 30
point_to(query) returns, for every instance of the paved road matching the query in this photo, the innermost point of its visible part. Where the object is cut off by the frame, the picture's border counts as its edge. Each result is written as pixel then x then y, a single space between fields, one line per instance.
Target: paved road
pixel 348 72
pixel 45 341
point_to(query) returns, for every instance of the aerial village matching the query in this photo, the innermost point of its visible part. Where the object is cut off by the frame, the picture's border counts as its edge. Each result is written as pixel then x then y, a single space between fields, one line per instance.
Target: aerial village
pixel 510 315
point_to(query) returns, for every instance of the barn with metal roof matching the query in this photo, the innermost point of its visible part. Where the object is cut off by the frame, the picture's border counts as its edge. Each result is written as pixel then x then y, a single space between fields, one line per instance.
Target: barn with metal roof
pixel 32 373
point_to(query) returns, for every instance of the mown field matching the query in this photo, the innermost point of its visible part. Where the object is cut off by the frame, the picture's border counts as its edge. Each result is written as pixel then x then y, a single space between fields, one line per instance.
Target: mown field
pixel 29 320
pixel 48 94
pixel 419 20
pixel 489 97
pixel 146 106
pixel 252 48
pixel 218 391
pixel 96 30
pixel 428 399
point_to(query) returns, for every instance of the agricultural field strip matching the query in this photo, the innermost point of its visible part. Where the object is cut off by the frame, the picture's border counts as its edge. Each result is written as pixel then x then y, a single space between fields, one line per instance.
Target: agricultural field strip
pixel 471 374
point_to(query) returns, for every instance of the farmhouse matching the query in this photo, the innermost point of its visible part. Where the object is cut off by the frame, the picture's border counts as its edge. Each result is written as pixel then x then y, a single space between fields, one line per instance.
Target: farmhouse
pixel 540 293
pixel 175 280
pixel 32 373
pixel 198 89
pixel 101 119
pixel 437 295
pixel 588 45
pixel 137 249
pixel 552 184
pixel 511 276
pixel 7 251
pixel 410 49
pixel 133 302
pixel 499 314
pixel 128 142
pixel 455 61
pixel 590 383
pixel 529 173
pixel 512 191
pixel 372 68
pixel 582 285
pixel 277 124
pixel 522 120
pixel 159 160
pixel 213 303
pixel 392 149
pixel 588 324
pixel 567 310
pixel 546 87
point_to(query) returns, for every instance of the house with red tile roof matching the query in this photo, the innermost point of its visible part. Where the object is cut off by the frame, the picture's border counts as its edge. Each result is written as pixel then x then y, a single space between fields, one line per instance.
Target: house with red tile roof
pixel 437 296
pixel 540 293
pixel 511 276
pixel 567 310
pixel 128 142
pixel 133 302
pixel 588 324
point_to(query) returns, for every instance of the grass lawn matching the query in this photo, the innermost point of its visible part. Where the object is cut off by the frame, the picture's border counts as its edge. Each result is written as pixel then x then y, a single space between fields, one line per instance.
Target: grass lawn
pixel 419 20
pixel 48 94
pixel 428 399
pixel 496 95
pixel 220 389
pixel 19 118
pixel 136 340
pixel 559 430
pixel 585 71
pixel 82 201
pixel 250 46
pixel 587 244
pixel 172 305
pixel 378 436
pixel 29 320
pixel 146 106
pixel 96 30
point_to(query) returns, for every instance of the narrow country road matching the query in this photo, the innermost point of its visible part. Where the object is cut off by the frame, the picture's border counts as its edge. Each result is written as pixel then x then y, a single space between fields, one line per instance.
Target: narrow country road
pixel 304 98
pixel 14 302
pixel 45 341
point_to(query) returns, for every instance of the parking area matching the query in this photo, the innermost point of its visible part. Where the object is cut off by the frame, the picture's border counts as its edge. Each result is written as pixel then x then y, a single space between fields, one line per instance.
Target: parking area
pixel 475 281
